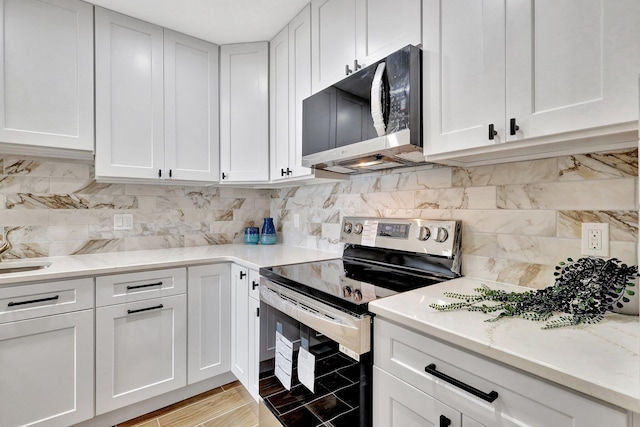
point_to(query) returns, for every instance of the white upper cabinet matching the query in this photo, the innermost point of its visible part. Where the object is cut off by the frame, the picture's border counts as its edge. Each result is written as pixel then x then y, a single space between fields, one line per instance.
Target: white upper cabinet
pixel 129 97
pixel 333 38
pixel 46 71
pixel 384 27
pixel 156 102
pixel 546 78
pixel 244 112
pixel 290 76
pixel 191 108
pixel 350 34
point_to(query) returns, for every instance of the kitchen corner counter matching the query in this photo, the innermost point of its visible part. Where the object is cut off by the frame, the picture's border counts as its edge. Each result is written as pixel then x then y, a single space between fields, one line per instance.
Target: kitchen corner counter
pixel 251 256
pixel 601 360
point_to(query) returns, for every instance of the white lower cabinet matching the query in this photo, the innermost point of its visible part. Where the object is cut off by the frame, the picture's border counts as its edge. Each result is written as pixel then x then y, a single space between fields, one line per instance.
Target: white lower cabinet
pixel 405 394
pixel 46 360
pixel 397 404
pixel 141 349
pixel 245 327
pixel 254 334
pixel 209 321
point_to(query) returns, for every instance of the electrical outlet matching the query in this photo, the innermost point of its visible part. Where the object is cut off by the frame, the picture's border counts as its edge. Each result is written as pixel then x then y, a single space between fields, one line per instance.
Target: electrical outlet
pixel 595 239
pixel 122 221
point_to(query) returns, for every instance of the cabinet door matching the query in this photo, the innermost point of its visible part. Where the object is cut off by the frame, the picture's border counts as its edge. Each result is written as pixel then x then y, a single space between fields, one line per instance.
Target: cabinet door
pixel 140 351
pixel 299 86
pixel 209 321
pixel 240 323
pixel 129 97
pixel 279 105
pixel 464 72
pixel 571 64
pixel 46 366
pixel 46 69
pixel 244 112
pixel 191 108
pixel 333 41
pixel 254 347
pixel 384 27
pixel 397 404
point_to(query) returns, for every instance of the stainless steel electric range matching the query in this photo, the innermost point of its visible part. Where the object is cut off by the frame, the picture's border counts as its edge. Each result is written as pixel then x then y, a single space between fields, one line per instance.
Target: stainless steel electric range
pixel 316 330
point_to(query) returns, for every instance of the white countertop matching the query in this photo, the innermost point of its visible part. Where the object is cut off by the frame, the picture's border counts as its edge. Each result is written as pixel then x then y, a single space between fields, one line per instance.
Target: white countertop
pixel 251 256
pixel 601 360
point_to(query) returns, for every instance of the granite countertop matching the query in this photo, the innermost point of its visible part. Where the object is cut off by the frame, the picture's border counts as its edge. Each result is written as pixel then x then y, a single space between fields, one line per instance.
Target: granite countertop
pixel 251 256
pixel 600 360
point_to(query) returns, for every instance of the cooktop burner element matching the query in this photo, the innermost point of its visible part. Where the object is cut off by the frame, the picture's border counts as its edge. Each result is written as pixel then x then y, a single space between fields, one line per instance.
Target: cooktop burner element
pixel 381 257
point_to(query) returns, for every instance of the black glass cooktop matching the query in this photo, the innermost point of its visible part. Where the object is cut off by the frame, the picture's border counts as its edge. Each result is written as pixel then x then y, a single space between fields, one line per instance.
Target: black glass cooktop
pixel 347 284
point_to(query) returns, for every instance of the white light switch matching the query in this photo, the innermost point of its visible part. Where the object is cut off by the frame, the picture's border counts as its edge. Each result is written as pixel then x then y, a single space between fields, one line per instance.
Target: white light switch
pixel 122 221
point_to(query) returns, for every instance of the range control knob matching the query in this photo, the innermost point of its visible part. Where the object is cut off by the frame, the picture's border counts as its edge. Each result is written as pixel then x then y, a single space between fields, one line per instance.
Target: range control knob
pixel 441 234
pixel 346 228
pixel 358 228
pixel 423 233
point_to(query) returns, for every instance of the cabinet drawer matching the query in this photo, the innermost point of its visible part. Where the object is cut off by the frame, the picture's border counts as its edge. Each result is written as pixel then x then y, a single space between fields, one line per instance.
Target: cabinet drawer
pixel 44 299
pixel 522 399
pixel 130 287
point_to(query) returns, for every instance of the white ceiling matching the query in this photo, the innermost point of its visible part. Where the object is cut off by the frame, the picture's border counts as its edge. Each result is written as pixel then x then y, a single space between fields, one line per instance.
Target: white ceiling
pixel 217 21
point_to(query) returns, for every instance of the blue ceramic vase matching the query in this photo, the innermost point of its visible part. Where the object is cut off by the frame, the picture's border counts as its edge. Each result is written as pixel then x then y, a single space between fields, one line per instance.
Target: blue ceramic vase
pixel 268 236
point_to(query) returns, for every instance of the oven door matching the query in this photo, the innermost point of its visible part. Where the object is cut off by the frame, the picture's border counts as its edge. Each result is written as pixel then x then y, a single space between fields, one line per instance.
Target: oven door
pixel 335 382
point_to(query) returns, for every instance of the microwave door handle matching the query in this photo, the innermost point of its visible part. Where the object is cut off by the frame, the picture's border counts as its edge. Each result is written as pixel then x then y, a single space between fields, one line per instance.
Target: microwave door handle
pixel 377 112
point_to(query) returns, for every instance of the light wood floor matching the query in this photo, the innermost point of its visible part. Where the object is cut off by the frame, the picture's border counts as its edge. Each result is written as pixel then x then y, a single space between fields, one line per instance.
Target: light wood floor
pixel 227 406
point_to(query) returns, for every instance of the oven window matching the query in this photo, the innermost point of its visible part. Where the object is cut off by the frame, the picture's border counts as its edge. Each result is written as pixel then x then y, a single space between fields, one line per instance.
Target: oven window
pixel 342 391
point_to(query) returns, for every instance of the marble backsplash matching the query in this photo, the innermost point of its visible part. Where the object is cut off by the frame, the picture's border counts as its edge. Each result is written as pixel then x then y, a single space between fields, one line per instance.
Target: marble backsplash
pixel 57 208
pixel 519 219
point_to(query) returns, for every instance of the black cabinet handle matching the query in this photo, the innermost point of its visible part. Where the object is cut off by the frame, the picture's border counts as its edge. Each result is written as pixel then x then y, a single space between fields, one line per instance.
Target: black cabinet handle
pixel 140 310
pixel 159 173
pixel 254 285
pixel 444 421
pixel 242 274
pixel 129 287
pixel 513 127
pixel 356 66
pixel 224 175
pixel 489 397
pixel 257 311
pixel 347 70
pixel 283 172
pixel 289 171
pixel 170 173
pixel 492 131
pixel 33 301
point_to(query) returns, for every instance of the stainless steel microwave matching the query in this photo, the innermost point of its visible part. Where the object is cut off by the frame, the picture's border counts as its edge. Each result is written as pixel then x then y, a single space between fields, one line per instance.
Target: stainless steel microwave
pixel 370 120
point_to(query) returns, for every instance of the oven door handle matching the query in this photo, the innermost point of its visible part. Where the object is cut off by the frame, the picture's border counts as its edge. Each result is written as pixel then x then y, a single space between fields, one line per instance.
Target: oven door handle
pixel 352 332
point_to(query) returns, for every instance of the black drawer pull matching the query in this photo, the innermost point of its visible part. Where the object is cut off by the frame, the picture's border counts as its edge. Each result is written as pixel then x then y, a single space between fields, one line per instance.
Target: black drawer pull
pixel 33 301
pixel 492 132
pixel 513 127
pixel 254 285
pixel 444 421
pixel 144 286
pixel 140 310
pixel 242 275
pixel 489 397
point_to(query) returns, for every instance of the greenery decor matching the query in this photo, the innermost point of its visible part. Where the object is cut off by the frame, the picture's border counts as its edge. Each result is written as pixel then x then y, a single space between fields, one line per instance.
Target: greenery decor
pixel 584 291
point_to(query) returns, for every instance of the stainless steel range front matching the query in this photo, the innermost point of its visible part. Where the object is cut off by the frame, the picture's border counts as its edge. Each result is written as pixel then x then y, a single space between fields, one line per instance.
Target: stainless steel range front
pixel 316 330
